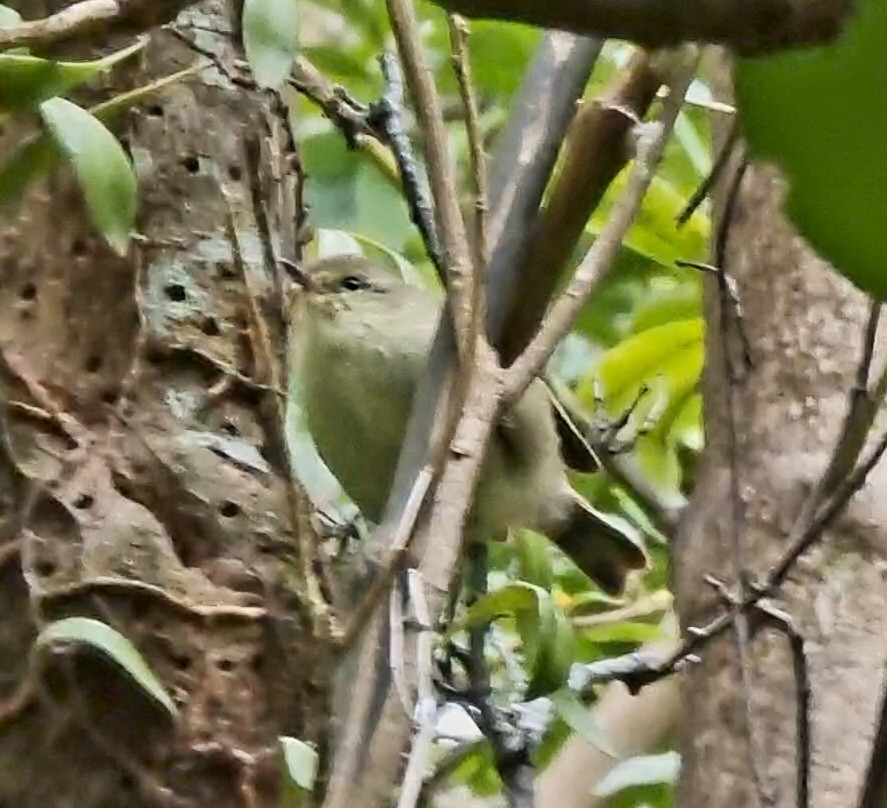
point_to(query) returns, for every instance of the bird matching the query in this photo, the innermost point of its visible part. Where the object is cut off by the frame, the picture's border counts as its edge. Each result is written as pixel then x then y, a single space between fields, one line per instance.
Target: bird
pixel 359 337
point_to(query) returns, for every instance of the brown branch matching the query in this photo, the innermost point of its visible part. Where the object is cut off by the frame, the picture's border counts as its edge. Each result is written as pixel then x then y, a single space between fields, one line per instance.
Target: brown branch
pixel 537 246
pixel 745 26
pixel 650 147
pixel 477 157
pixel 441 171
pixel 89 16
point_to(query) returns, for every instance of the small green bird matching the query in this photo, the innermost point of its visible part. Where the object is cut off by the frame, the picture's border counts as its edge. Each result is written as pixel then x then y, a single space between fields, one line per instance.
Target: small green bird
pixel 359 339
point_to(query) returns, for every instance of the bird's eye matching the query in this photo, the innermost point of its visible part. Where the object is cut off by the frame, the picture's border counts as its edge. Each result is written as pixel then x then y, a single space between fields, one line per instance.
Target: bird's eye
pixel 354 282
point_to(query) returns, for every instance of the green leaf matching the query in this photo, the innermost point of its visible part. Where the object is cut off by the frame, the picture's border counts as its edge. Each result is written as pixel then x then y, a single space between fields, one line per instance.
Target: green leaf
pixel 26 80
pixel 643 770
pixel 820 113
pixel 270 38
pixel 654 233
pixel 667 300
pixel 111 643
pixel 301 762
pixel 627 365
pixel 509 600
pixel 534 564
pixel 554 658
pixel 103 170
pixel 34 155
pixel 580 719
pixel 545 632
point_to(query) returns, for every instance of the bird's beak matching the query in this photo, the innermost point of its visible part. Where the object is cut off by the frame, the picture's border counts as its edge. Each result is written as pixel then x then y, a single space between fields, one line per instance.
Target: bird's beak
pixel 297 274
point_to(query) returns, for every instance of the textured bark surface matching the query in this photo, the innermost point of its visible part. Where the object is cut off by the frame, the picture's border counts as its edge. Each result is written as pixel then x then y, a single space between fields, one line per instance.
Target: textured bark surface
pixel 804 324
pixel 132 493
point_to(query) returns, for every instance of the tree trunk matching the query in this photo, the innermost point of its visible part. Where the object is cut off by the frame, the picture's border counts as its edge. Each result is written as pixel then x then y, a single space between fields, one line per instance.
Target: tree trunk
pixel 140 485
pixel 804 325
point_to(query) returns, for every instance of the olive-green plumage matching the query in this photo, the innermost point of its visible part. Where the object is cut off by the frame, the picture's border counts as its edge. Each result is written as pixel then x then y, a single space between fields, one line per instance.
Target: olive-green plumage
pixel 359 342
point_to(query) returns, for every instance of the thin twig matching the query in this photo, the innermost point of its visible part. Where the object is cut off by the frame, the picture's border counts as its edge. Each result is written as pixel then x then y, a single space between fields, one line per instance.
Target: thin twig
pixel 801 538
pixel 563 313
pixel 396 650
pixel 704 189
pixel 862 407
pixel 390 114
pixel 477 159
pixel 741 629
pixel 298 507
pixel 441 172
pixel 393 556
pixel 426 704
pixel 476 156
pixel 784 624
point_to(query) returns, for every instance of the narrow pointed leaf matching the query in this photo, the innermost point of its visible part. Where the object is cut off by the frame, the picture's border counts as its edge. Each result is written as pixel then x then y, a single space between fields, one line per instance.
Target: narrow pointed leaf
pixel 84 631
pixel 103 170
pixel 27 80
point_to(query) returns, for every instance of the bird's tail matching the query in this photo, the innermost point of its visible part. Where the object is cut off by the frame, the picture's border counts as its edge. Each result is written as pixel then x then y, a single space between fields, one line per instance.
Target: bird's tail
pixel 605 547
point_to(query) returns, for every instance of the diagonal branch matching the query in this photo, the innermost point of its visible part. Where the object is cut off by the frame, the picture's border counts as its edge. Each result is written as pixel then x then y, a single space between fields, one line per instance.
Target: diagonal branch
pixel 650 147
pixel 88 16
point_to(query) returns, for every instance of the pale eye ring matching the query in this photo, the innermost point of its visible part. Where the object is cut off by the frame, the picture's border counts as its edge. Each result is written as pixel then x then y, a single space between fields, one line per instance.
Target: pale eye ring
pixel 354 282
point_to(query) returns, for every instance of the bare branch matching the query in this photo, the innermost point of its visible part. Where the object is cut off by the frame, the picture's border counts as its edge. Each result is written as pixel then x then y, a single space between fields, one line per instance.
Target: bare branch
pixel 536 246
pixel 650 147
pixel 441 172
pixel 426 704
pixel 88 16
pixel 392 115
pixel 477 157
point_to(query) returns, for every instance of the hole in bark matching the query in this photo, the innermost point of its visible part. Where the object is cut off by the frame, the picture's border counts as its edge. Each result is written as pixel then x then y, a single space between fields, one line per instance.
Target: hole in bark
pixel 84 501
pixel 175 291
pixel 28 291
pixel 229 508
pixel 93 363
pixel 109 396
pixel 210 327
pixel 191 164
pixel 154 110
pixel 79 247
pixel 235 172
pixel 226 271
pixel 226 665
pixel 45 566
pixel 230 428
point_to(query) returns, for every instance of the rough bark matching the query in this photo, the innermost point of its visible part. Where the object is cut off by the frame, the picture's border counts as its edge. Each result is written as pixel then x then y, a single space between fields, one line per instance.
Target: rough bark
pixel 804 324
pixel 133 495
